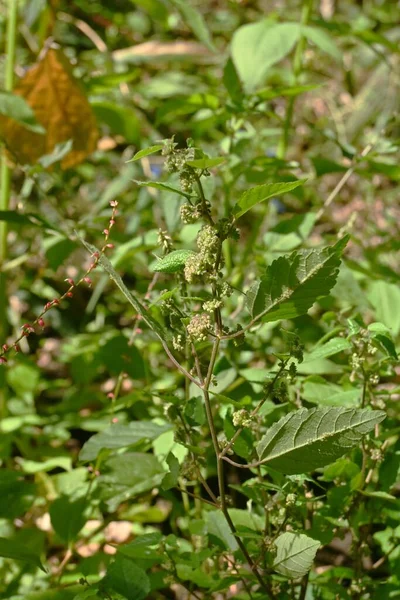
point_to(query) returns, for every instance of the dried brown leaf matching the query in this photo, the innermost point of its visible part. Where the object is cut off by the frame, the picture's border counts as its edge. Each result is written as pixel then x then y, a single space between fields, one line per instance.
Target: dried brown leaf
pixel 60 106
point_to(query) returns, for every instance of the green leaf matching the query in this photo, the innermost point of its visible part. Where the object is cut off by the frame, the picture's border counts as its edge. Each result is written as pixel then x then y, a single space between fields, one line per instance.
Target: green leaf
pixel 206 163
pixel 15 107
pixel 127 579
pixel 385 298
pixel 121 436
pixel 172 262
pixel 121 120
pixel 171 479
pixel 133 301
pixel 195 21
pixel 141 546
pixel 88 593
pixel 319 391
pixel 125 476
pixel 17 551
pixel 232 82
pixel 33 466
pixel 320 38
pixel 257 47
pixel 307 439
pixel 295 553
pixel 146 152
pixel 218 527
pixel 67 517
pixel 292 285
pixel 260 193
pixel 334 346
pixel 158 185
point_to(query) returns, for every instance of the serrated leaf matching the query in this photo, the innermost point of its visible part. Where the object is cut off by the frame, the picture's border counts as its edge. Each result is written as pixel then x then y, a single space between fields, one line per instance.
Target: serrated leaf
pixel 15 107
pixel 121 436
pixel 307 439
pixel 158 185
pixel 126 578
pixel 172 262
pixel 146 152
pixel 60 106
pixel 295 553
pixel 292 284
pixel 206 163
pixel 260 193
pixel 133 301
pixel 17 551
pixel 195 21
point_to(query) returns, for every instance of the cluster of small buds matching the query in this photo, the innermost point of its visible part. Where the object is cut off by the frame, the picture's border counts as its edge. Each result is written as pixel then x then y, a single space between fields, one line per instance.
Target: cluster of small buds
pixel 356 588
pixel 208 240
pixel 164 240
pixel 177 343
pixel 292 371
pixel 223 443
pixel 211 305
pixel 194 267
pixel 296 349
pixel 371 349
pixel 202 263
pixel 376 455
pixel 189 469
pixel 27 328
pixel 378 403
pixel 225 290
pixel 190 213
pixel 242 418
pixel 169 147
pixel 187 179
pixel 198 327
pixel 356 361
pixel 280 392
pixel 374 379
pixel 291 499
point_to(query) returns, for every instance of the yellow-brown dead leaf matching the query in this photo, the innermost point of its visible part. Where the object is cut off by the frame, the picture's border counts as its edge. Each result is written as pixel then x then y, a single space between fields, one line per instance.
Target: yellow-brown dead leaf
pixel 60 106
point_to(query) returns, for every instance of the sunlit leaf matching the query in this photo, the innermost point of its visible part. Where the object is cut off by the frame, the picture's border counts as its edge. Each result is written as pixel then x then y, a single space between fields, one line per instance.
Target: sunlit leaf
pixel 310 438
pixel 291 285
pixel 260 193
pixel 295 553
pixel 258 46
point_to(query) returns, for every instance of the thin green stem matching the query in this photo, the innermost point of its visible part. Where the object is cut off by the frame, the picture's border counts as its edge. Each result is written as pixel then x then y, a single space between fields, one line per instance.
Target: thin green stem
pixel 297 69
pixel 5 182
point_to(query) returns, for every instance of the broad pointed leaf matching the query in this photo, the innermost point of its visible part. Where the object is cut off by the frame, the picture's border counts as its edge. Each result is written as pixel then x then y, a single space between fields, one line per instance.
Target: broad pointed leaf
pixel 292 284
pixel 260 193
pixel 295 553
pixel 307 439
pixel 121 436
pixel 16 551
